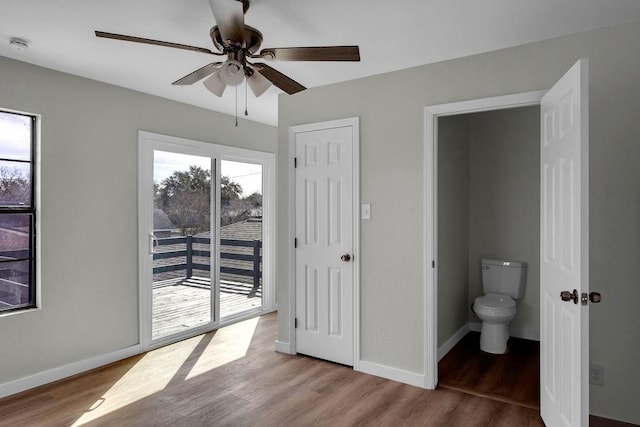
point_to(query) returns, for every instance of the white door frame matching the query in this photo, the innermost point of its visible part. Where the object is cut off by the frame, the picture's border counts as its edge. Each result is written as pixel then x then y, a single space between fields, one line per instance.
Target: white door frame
pixel 147 143
pixel 431 115
pixel 354 123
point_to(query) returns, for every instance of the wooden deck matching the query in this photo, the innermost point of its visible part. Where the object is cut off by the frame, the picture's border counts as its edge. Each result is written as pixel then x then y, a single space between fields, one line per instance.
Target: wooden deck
pixel 179 305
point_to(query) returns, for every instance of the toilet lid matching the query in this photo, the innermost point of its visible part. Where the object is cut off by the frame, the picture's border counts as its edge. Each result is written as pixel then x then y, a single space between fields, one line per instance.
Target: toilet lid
pixel 496 301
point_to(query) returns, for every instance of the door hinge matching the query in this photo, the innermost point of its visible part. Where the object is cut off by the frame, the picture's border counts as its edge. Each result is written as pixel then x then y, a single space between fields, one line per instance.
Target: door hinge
pixel 295 323
pixel 295 162
pixel 433 264
pixel 295 242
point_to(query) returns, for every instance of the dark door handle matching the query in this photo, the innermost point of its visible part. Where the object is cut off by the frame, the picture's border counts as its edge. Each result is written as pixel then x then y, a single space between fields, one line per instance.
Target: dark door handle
pixel 346 257
pixel 569 296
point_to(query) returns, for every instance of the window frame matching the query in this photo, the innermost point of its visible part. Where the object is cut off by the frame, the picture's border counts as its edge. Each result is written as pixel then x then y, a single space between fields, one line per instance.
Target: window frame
pixel 31 211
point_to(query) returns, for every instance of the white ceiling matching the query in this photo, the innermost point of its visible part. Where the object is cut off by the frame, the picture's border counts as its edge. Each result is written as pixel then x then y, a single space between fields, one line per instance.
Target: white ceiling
pixel 392 35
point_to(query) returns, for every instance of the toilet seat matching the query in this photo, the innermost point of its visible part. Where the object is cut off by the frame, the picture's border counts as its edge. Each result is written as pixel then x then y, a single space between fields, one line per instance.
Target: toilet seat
pixel 495 305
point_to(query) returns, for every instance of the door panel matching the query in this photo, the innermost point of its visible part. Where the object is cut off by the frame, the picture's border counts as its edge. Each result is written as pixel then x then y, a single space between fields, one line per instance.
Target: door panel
pixel 564 342
pixel 324 229
pixel 181 285
pixel 240 238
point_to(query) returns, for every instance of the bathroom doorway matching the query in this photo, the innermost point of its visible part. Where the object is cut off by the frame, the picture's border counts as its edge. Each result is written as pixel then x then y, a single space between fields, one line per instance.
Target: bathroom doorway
pixel 488 202
pixel 564 240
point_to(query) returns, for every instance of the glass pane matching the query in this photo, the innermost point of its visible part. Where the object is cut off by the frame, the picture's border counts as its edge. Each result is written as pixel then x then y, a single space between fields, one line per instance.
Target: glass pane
pixel 181 221
pixel 241 237
pixel 14 284
pixel 15 236
pixel 15 136
pixel 15 184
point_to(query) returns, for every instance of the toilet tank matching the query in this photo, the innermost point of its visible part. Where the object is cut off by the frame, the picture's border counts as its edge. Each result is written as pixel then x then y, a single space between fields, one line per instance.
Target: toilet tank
pixel 503 277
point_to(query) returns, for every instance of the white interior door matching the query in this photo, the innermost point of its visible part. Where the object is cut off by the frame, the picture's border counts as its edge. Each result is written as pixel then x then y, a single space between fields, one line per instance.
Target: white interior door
pixel 564 250
pixel 324 268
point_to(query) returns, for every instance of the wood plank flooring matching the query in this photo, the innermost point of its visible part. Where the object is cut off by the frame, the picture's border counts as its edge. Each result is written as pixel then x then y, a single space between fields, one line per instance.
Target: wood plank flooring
pixel 512 377
pixel 233 377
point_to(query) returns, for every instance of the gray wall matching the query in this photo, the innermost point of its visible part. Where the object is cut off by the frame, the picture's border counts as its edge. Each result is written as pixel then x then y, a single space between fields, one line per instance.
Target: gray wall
pixel 89 209
pixel 453 225
pixel 390 107
pixel 504 203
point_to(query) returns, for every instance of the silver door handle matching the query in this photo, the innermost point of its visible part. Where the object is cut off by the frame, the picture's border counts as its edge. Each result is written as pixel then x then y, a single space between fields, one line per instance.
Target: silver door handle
pixel 153 243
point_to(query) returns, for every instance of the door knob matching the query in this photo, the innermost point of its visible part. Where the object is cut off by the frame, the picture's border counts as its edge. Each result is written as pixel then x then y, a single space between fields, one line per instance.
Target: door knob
pixel 569 296
pixel 594 297
pixel 346 257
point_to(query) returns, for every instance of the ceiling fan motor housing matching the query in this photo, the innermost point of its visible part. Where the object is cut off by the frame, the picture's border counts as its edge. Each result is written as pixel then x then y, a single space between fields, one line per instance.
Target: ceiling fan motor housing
pixel 250 44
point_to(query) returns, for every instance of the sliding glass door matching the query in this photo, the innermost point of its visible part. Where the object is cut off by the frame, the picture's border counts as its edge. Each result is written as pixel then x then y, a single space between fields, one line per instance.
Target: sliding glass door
pixel 204 250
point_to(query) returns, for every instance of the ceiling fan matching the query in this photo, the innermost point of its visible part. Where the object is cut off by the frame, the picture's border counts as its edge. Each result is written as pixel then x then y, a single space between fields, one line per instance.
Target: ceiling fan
pixel 239 43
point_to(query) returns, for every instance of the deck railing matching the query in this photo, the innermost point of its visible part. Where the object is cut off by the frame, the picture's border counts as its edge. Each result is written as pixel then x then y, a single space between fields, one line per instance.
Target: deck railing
pixel 189 252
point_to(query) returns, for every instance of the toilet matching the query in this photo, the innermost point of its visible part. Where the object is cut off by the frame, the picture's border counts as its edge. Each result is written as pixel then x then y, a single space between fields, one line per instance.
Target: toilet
pixel 502 283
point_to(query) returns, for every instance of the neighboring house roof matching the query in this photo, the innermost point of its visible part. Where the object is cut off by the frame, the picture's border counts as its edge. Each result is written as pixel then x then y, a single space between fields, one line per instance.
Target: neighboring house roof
pixel 161 220
pixel 249 229
pixel 13 240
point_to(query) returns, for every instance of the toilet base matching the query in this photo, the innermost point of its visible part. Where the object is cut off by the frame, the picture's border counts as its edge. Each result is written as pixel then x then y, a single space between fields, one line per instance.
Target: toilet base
pixel 493 338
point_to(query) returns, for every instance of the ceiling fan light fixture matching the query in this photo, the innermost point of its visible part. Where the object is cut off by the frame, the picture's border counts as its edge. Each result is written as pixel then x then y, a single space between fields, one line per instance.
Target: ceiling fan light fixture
pixel 231 73
pixel 215 84
pixel 258 83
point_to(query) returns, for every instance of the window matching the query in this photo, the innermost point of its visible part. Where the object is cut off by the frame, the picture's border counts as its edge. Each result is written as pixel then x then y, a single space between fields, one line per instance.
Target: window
pixel 17 211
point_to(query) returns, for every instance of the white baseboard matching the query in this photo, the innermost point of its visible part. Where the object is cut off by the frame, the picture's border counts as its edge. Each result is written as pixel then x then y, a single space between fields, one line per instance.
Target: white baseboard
pixel 525 333
pixel 283 347
pixel 55 374
pixel 451 342
pixel 390 373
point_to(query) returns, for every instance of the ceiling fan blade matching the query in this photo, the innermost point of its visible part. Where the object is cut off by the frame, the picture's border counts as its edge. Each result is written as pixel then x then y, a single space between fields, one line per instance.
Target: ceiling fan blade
pixel 285 83
pixel 154 42
pixel 317 53
pixel 198 74
pixel 229 16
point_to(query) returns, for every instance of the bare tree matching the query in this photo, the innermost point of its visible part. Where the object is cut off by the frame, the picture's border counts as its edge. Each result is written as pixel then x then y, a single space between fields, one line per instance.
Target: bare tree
pixel 185 197
pixel 15 189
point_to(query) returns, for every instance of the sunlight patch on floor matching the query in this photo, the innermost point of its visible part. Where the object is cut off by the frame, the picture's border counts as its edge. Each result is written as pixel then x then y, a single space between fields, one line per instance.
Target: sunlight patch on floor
pixel 230 343
pixel 172 363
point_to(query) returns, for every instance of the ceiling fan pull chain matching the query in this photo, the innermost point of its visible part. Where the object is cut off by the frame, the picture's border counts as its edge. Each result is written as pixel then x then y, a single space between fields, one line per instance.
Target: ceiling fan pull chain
pixel 246 102
pixel 236 106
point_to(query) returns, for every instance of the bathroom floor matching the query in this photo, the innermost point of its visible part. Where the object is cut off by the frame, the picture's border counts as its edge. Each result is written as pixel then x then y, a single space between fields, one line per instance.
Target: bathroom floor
pixel 513 377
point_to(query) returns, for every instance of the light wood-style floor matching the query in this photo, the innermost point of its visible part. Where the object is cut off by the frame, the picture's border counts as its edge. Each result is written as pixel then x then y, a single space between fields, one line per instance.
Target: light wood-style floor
pixel 233 377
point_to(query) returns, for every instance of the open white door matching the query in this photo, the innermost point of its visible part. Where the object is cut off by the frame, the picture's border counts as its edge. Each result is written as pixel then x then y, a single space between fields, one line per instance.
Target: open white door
pixel 564 251
pixel 324 227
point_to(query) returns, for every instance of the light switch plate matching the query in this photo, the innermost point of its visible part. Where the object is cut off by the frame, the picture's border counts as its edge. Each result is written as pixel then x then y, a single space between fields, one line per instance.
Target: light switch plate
pixel 366 211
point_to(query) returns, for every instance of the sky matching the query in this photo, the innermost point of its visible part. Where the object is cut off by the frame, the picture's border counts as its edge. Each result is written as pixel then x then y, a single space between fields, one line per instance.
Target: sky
pixel 15 136
pixel 248 175
pixel 15 140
